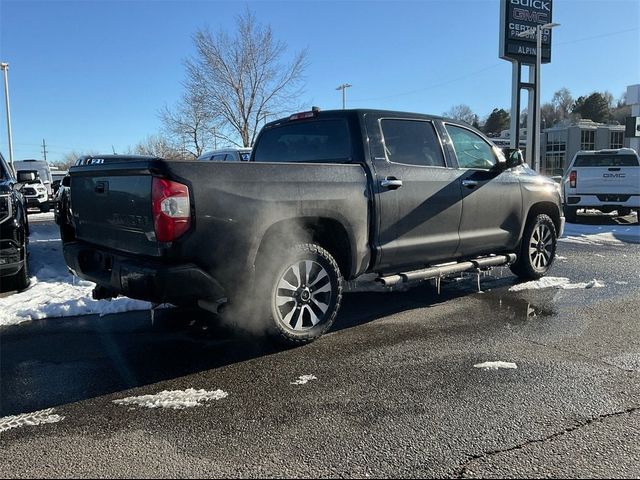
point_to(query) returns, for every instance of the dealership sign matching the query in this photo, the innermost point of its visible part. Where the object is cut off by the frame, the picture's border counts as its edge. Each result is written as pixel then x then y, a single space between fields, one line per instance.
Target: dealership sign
pixel 517 16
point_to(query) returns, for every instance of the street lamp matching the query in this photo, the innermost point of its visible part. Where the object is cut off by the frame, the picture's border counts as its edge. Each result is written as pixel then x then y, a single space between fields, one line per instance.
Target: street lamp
pixel 537 30
pixel 344 87
pixel 5 70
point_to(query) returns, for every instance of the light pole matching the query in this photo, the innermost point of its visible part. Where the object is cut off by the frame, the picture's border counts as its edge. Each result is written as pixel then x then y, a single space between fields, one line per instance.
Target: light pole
pixel 5 70
pixel 536 116
pixel 344 87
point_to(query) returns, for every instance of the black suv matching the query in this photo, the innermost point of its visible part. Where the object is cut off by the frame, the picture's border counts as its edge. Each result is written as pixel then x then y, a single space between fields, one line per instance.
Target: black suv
pixel 14 230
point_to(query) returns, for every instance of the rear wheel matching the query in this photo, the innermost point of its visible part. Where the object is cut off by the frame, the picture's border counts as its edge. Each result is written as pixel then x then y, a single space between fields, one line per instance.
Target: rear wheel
pixel 304 287
pixel 571 214
pixel 538 249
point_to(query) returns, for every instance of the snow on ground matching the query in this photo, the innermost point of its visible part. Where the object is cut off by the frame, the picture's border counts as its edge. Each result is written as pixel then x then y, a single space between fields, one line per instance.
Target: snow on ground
pixel 555 282
pixel 41 217
pixel 54 292
pixel 302 379
pixel 176 399
pixel 495 365
pixel 29 419
pixel 600 234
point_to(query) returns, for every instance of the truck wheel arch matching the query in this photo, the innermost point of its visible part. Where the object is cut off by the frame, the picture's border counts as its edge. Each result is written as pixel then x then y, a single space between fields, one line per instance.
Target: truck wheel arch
pixel 329 233
pixel 548 208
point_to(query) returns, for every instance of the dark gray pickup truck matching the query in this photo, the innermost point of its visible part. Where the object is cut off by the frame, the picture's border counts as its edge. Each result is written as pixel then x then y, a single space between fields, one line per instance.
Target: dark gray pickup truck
pixel 327 196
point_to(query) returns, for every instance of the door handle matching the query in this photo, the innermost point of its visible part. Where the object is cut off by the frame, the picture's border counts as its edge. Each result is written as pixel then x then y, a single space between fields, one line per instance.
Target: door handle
pixel 391 183
pixel 469 183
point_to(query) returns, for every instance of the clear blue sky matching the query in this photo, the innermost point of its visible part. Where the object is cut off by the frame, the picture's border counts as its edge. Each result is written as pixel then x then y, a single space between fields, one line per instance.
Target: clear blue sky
pixel 92 74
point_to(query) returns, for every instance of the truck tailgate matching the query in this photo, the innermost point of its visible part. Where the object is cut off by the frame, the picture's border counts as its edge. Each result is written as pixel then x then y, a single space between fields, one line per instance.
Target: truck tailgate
pixel 608 180
pixel 111 207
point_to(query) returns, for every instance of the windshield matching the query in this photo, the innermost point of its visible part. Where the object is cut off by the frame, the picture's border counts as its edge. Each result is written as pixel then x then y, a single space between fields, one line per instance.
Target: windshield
pixel 606 161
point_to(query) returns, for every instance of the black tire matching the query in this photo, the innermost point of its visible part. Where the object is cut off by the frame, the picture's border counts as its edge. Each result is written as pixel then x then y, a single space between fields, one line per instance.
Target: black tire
pixel 571 214
pixel 623 212
pixel 314 295
pixel 538 248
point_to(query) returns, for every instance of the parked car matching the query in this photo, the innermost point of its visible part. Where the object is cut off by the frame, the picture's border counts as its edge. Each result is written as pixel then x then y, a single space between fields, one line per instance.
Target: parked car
pixel 327 196
pixel 605 180
pixel 35 193
pixel 44 173
pixel 14 230
pixel 228 155
pixel 57 176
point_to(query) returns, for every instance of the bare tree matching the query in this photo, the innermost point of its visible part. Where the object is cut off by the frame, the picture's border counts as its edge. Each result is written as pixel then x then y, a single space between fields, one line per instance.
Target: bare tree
pixel 242 78
pixel 158 146
pixel 190 127
pixel 69 158
pixel 462 113
pixel 562 102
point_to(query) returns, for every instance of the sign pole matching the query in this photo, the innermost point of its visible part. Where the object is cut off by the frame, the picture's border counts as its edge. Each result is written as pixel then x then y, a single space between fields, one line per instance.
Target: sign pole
pixel 514 130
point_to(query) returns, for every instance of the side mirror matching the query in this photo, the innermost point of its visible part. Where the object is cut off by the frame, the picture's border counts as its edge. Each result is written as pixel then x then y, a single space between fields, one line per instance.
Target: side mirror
pixel 66 181
pixel 26 176
pixel 514 158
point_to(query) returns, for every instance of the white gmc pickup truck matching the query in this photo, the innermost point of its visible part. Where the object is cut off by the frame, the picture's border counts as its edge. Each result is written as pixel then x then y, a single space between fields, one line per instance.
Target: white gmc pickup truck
pixel 604 180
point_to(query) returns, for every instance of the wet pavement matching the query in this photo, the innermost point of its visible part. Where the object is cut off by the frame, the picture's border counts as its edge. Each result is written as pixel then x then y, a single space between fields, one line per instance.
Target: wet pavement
pixel 396 392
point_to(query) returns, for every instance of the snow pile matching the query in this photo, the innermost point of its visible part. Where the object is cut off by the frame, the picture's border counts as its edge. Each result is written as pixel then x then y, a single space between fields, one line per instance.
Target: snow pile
pixel 582 285
pixel 41 217
pixel 600 234
pixel 54 292
pixel 29 419
pixel 176 399
pixel 302 379
pixel 555 282
pixel 495 365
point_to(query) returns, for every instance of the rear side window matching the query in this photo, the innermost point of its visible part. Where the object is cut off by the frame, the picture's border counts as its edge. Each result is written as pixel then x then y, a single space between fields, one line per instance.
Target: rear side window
pixel 606 161
pixel 219 157
pixel 315 141
pixel 412 142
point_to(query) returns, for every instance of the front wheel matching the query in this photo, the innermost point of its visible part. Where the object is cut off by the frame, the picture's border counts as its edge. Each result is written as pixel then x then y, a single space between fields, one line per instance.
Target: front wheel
pixel 538 249
pixel 304 287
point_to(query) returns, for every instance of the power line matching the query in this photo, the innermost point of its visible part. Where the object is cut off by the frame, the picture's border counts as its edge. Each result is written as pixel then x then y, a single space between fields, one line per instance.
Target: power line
pixel 476 72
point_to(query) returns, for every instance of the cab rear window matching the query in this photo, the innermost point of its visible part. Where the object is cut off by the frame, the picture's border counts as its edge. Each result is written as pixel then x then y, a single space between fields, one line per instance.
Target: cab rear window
pixel 606 161
pixel 318 141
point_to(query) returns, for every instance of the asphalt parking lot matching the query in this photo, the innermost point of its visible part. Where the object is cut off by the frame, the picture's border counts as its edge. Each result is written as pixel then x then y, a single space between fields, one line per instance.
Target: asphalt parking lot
pixel 395 393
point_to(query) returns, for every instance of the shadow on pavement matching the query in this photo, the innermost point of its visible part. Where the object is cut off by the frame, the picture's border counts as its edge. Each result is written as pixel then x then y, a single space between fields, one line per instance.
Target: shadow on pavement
pixel 45 363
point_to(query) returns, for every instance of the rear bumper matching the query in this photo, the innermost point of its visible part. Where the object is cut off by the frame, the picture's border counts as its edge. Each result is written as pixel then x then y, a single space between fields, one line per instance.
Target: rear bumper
pixel 602 200
pixel 142 278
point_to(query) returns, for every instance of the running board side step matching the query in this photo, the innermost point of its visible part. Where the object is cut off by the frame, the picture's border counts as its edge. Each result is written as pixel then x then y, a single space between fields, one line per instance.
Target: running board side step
pixel 448 269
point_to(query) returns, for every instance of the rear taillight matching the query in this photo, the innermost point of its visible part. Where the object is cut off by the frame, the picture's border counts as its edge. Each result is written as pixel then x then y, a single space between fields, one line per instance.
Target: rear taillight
pixel 573 179
pixel 171 209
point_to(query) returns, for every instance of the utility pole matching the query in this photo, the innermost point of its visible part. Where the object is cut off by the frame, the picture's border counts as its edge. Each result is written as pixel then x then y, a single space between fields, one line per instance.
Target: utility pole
pixel 5 70
pixel 344 87
pixel 44 150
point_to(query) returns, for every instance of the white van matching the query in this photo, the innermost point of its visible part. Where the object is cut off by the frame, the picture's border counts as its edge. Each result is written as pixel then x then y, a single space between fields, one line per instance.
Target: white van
pixel 604 180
